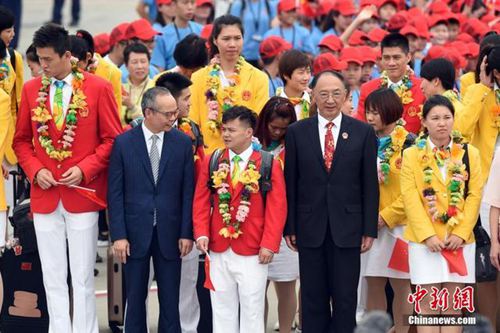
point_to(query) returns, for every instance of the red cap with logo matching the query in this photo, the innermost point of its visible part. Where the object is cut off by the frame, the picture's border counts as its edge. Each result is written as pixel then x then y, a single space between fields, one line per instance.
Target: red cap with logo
pixel 273 46
pixel 351 54
pixel 101 43
pixel 327 61
pixel 332 42
pixel 118 34
pixel 287 5
pixel 141 29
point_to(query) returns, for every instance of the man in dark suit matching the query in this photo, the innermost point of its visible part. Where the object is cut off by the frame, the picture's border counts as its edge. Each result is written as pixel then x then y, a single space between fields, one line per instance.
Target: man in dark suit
pixel 150 195
pixel 332 193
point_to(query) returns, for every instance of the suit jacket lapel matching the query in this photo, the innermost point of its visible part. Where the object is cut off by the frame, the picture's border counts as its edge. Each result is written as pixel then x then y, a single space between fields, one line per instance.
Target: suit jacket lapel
pixel 141 149
pixel 316 144
pixel 342 140
pixel 166 151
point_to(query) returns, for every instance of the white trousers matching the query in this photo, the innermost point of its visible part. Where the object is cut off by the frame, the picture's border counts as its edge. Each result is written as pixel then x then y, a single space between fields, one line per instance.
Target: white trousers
pixel 80 230
pixel 239 282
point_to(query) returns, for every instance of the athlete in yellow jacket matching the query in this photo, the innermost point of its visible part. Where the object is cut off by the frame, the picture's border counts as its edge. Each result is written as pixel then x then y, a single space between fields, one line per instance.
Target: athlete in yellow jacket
pixel 252 91
pixel 112 74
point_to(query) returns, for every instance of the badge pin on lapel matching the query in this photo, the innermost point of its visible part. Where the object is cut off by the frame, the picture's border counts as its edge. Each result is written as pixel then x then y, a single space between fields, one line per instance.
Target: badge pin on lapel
pixel 345 135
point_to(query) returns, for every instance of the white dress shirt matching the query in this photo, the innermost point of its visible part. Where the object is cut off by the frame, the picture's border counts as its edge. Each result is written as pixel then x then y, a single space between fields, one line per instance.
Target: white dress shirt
pixel 444 168
pixel 67 92
pixel 390 83
pixel 245 157
pixel 322 122
pixel 149 140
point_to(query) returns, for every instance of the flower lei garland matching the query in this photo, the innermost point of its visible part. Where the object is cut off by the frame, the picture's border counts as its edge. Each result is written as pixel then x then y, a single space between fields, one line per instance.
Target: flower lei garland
pixel 304 101
pixel 457 175
pixel 41 115
pixel 398 138
pixel 4 70
pixel 227 93
pixel 250 180
pixel 186 128
pixel 403 90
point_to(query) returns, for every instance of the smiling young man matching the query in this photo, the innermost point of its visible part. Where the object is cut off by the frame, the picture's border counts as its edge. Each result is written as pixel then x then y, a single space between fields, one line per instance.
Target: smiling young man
pixel 243 242
pixel 397 76
pixel 66 144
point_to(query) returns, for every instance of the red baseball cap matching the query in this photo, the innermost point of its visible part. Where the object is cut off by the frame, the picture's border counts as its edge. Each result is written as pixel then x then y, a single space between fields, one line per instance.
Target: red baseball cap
pixel 327 61
pixel 200 3
pixel 409 30
pixel 141 29
pixel 357 38
pixel 369 54
pixel 397 21
pixel 438 8
pixel 163 2
pixel 377 34
pixel 475 28
pixel 332 42
pixel 325 8
pixel 272 46
pixel 351 54
pixel 459 62
pixel 473 49
pixel 436 51
pixel 287 5
pixel 464 37
pixel 365 3
pixel 118 34
pixel 308 11
pixel 382 3
pixel 436 20
pixel 345 7
pixel 101 43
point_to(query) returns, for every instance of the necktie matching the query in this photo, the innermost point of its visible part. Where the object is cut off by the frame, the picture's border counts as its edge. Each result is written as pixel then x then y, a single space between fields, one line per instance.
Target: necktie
pixel 57 106
pixel 235 174
pixel 329 146
pixel 154 157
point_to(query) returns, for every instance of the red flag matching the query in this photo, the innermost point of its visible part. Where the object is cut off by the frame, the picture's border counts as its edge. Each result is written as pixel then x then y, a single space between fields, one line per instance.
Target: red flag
pixel 90 194
pixel 399 257
pixel 456 261
pixel 208 282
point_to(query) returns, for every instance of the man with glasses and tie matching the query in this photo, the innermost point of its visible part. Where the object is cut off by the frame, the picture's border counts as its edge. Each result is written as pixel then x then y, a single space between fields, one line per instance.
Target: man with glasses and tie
pixel 332 195
pixel 150 196
pixel 397 76
pixel 67 123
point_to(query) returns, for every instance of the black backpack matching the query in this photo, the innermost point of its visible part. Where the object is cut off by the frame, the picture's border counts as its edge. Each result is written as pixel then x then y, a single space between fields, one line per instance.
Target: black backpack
pixel 266 168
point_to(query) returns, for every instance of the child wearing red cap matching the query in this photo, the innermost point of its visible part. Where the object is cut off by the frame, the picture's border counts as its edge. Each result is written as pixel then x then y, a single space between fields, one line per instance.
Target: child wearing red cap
pixel 395 60
pixel 439 30
pixel 353 72
pixel 204 12
pixel 166 14
pixel 270 51
pixel 296 35
pixel 295 71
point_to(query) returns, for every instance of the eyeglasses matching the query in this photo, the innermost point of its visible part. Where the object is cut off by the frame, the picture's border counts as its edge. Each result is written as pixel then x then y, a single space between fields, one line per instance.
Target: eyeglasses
pixel 168 114
pixel 324 95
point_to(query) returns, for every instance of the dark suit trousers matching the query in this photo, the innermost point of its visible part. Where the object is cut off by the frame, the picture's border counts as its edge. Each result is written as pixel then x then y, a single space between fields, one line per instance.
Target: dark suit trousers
pixel 168 275
pixel 58 7
pixel 329 273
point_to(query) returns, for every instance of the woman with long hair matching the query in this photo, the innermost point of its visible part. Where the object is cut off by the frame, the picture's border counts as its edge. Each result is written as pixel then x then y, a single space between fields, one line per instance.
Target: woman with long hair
pixel 275 117
pixel 227 81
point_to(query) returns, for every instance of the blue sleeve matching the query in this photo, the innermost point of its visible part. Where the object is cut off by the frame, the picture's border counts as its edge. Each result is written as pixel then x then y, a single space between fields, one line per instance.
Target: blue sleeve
pixel 235 9
pixel 153 71
pixel 196 27
pixel 124 71
pixel 307 45
pixel 158 58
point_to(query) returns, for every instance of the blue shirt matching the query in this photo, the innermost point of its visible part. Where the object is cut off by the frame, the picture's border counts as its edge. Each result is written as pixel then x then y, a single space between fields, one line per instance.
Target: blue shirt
pixel 316 37
pixel 298 36
pixel 163 53
pixel 355 99
pixel 152 72
pixel 256 20
pixel 274 84
pixel 152 9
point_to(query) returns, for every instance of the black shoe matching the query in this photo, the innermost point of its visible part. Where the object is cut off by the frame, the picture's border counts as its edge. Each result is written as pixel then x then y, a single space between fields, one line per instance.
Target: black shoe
pixel 73 24
pixel 98 258
pixel 96 272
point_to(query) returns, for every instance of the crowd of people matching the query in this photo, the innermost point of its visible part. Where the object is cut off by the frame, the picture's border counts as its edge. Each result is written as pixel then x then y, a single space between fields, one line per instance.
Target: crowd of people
pixel 351 146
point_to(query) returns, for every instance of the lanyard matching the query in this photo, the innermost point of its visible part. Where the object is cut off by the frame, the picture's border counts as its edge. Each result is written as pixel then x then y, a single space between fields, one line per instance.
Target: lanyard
pixel 177 31
pixel 271 80
pixel 255 17
pixel 293 35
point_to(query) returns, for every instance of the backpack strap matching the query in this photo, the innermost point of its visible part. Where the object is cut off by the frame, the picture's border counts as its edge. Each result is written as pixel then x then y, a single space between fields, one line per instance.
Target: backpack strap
pixel 465 160
pixel 198 137
pixel 266 168
pixel 212 167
